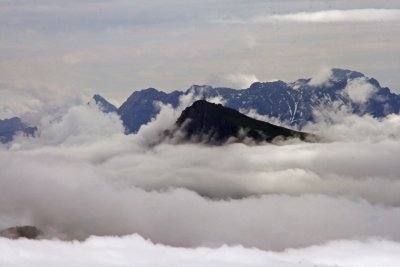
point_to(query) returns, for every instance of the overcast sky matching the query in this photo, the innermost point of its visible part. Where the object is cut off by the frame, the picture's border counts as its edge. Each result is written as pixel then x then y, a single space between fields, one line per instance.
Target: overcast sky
pixel 116 47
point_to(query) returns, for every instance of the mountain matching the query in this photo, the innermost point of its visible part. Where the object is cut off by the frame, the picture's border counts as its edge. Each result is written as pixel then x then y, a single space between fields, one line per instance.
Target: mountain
pixel 141 107
pixel 104 105
pixel 293 103
pixel 215 124
pixel 12 126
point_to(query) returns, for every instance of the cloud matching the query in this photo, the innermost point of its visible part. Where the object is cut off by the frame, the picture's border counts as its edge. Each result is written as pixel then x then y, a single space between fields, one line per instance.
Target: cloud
pixel 234 80
pixel 81 201
pixel 322 77
pixel 326 16
pixel 80 124
pixel 83 177
pixel 31 101
pixel 135 251
pixel 359 90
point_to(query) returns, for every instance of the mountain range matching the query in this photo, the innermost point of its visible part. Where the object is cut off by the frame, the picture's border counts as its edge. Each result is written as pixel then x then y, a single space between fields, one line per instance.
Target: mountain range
pixel 294 104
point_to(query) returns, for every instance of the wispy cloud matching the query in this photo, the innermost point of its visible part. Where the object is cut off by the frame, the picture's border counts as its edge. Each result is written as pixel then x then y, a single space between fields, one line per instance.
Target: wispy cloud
pixel 326 16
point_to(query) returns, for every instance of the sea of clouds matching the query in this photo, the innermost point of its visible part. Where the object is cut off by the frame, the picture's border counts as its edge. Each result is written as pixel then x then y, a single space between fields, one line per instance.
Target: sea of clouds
pixel 82 177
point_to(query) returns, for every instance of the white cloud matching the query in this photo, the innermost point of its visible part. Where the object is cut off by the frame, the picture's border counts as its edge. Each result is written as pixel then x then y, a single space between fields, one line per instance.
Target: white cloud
pixel 80 124
pixel 359 90
pixel 321 77
pixel 135 251
pixel 234 80
pixel 327 16
pixel 84 175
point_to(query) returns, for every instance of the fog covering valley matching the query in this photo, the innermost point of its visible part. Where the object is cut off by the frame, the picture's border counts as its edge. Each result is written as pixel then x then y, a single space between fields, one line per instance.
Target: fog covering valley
pixel 80 176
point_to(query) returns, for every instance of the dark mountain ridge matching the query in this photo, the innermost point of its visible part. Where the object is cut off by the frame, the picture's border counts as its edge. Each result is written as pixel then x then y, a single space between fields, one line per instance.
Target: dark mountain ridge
pixel 215 124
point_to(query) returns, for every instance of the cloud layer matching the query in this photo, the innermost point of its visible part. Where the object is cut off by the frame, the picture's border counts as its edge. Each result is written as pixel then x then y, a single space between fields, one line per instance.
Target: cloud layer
pixel 82 176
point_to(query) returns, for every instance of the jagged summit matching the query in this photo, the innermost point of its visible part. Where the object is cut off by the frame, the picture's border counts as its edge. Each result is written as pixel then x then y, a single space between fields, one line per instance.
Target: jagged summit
pixel 215 124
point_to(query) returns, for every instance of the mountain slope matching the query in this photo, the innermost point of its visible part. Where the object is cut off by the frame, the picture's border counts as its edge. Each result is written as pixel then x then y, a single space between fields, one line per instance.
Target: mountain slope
pixel 104 105
pixel 214 124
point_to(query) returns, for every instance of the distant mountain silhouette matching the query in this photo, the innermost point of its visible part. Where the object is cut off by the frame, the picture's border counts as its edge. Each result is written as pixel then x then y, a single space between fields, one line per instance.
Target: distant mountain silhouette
pixel 215 124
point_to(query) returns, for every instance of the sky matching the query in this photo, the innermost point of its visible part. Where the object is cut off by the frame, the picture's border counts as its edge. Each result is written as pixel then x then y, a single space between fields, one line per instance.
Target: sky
pixel 116 47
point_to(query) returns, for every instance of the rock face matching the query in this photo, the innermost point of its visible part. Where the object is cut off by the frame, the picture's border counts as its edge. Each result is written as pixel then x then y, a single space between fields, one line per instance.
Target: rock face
pixel 104 105
pixel 27 231
pixel 292 103
pixel 10 127
pixel 214 124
